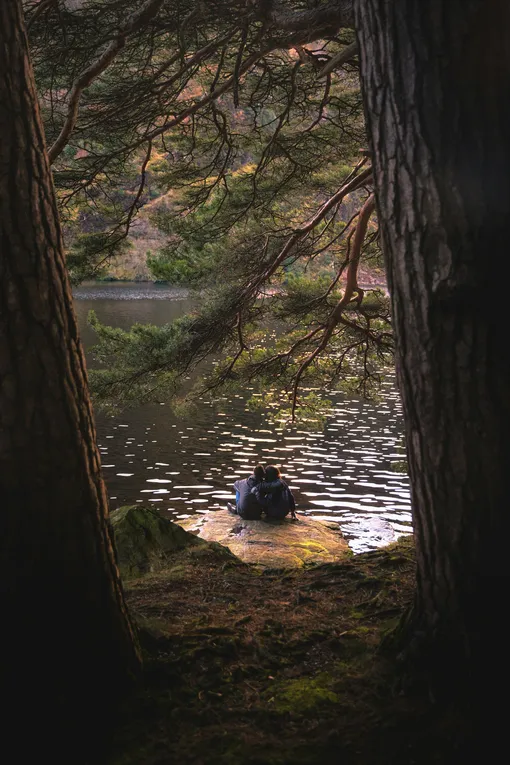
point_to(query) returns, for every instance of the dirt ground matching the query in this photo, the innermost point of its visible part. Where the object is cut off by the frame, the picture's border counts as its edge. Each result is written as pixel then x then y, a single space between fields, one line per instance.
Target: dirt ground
pixel 277 667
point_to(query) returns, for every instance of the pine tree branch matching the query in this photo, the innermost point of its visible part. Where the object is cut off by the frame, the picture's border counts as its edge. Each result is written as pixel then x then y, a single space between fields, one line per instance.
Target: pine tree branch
pixel 341 58
pixel 97 67
pixel 327 19
pixel 298 25
pixel 40 8
pixel 351 288
pixel 211 96
pixel 352 183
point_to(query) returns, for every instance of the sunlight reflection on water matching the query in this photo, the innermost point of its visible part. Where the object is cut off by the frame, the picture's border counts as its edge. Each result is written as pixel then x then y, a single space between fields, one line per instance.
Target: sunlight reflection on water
pixel 342 473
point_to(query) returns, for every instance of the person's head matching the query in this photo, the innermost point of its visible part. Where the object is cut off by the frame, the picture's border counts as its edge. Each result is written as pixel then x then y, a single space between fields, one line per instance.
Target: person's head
pixel 272 473
pixel 258 472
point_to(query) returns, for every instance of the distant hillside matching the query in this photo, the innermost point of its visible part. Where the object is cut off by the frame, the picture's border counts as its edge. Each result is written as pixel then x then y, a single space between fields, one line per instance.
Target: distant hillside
pixel 145 238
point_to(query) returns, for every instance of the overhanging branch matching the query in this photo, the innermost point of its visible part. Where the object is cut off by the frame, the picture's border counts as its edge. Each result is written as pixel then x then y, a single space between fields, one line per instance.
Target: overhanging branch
pixel 345 55
pixel 97 67
pixel 352 183
pixel 351 289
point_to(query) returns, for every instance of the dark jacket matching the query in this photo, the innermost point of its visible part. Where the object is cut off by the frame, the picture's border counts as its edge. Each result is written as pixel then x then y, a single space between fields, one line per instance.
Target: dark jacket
pixel 248 505
pixel 276 498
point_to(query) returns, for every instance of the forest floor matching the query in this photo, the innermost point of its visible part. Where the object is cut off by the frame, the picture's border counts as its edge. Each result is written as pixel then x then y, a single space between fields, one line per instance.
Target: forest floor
pixel 277 667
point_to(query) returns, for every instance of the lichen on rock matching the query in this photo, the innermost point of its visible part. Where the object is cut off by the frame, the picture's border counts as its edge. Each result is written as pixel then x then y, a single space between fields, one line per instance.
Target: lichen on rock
pixel 270 543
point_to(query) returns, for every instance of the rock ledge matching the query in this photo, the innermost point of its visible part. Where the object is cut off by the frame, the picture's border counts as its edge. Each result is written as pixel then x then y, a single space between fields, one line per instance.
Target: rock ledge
pixel 275 544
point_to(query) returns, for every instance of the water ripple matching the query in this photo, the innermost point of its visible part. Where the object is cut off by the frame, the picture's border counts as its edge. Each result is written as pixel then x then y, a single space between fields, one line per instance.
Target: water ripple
pixel 348 478
pixel 342 473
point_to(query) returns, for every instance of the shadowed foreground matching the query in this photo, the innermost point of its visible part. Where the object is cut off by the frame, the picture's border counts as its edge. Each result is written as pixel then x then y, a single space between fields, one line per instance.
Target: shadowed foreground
pixel 276 668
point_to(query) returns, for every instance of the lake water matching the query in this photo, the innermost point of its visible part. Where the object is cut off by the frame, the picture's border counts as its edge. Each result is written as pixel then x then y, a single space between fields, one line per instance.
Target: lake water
pixel 341 472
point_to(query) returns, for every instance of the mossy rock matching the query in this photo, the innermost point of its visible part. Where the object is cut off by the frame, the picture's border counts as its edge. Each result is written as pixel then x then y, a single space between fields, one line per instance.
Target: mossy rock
pixel 147 543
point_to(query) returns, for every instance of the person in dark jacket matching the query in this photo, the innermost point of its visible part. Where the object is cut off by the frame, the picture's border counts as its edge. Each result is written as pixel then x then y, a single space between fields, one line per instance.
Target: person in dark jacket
pixel 274 495
pixel 247 505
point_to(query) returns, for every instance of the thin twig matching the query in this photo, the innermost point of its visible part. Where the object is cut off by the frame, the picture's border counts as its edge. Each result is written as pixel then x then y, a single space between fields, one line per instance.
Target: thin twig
pixel 42 6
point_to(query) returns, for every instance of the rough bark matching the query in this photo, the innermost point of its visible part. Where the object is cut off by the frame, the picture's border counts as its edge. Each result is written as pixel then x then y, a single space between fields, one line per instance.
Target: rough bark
pixel 66 636
pixel 436 80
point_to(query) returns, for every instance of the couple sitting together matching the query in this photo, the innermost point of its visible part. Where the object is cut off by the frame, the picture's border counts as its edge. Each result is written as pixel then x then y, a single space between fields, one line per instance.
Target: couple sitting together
pixel 263 492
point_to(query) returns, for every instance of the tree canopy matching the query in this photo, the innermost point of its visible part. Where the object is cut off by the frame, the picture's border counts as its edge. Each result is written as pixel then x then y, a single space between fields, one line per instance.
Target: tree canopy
pixel 245 119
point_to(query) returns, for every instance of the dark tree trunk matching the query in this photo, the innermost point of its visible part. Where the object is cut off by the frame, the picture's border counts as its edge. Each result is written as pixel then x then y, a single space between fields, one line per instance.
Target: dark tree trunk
pixel 436 82
pixel 66 638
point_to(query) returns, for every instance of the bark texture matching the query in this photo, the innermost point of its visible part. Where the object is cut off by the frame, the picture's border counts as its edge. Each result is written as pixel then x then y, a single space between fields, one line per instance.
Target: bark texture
pixel 66 635
pixel 436 82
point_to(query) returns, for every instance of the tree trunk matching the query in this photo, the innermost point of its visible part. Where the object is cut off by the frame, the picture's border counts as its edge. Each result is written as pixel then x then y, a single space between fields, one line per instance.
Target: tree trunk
pixel 436 82
pixel 67 644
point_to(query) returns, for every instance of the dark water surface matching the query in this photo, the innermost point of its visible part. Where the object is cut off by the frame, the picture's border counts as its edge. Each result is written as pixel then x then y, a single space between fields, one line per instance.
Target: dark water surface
pixel 182 466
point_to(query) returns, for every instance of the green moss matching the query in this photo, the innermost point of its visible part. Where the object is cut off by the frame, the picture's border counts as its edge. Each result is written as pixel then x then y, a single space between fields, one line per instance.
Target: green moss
pixel 176 572
pixel 303 694
pixel 147 543
pixel 145 540
pixel 404 544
